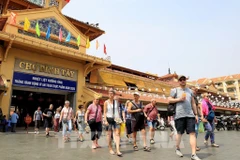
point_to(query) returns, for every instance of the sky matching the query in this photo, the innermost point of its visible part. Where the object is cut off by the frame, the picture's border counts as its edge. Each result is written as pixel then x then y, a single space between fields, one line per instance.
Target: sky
pixel 197 38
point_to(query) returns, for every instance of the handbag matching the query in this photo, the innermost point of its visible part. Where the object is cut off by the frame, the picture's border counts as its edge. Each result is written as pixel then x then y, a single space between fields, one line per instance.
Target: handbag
pixel 93 120
pixel 65 120
pixel 171 110
pixel 201 127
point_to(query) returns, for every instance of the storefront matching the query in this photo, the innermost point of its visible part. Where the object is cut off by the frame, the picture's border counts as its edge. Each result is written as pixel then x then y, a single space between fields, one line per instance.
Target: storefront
pixel 40 72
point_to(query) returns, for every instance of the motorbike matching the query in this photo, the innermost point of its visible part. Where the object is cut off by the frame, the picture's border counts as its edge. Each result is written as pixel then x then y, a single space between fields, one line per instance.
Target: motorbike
pixel 220 123
pixel 230 123
pixel 237 122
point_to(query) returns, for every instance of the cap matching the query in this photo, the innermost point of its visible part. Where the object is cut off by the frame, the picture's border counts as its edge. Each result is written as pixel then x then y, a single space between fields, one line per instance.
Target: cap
pixel 136 93
pixel 180 76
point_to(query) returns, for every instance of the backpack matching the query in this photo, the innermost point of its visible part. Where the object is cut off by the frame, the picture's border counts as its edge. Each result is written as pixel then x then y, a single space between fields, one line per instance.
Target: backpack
pixel 171 110
pixel 211 113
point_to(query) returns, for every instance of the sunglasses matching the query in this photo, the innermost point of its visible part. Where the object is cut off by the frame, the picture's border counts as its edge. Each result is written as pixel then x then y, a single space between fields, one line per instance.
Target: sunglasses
pixel 182 79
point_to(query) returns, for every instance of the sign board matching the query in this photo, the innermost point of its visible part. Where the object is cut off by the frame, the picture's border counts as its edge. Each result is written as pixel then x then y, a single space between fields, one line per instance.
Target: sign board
pixel 44 69
pixel 37 81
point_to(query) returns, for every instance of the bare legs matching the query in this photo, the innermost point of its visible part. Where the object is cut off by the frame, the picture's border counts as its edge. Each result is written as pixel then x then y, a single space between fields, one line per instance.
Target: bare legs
pixel 116 136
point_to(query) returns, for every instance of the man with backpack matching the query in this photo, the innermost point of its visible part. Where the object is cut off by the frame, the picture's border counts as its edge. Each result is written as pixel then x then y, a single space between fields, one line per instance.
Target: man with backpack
pixel 151 112
pixel 185 115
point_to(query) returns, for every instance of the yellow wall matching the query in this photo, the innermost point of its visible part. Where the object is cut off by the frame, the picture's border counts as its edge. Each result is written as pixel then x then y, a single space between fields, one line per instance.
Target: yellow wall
pixel 7 69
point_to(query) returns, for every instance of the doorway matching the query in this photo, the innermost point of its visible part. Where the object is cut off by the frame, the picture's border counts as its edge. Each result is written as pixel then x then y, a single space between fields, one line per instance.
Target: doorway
pixel 27 102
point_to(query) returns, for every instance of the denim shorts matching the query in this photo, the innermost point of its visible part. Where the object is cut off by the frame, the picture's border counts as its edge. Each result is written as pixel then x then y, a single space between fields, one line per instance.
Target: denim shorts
pixel 113 125
pixel 152 124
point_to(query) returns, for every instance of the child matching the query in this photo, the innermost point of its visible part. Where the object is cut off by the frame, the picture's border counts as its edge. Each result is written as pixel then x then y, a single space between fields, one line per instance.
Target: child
pixel 4 123
pixel 28 120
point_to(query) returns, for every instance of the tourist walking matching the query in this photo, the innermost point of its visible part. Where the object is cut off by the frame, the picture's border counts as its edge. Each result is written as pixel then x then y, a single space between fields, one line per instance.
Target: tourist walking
pixel 209 118
pixel 93 118
pixel 56 120
pixel 80 122
pixel 138 121
pixel 48 115
pixel 66 118
pixel 199 112
pixel 151 112
pixel 185 115
pixel 37 118
pixel 127 120
pixel 14 120
pixel 113 121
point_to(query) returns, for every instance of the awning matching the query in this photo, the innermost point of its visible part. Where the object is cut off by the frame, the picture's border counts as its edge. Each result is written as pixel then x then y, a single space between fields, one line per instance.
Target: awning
pixel 3 83
pixel 90 95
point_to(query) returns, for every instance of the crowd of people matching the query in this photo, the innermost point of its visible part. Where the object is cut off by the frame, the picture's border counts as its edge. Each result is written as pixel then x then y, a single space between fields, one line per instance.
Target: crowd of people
pixel 185 118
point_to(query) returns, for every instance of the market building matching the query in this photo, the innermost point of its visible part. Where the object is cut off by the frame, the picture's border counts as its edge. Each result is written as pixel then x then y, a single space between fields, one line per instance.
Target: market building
pixel 38 71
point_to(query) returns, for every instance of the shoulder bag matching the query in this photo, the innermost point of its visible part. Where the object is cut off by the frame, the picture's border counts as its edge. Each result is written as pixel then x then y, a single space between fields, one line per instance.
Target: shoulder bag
pixel 93 120
pixel 137 115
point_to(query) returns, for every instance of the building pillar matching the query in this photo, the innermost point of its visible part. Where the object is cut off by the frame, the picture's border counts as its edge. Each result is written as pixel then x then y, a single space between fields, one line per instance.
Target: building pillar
pixel 224 87
pixel 237 89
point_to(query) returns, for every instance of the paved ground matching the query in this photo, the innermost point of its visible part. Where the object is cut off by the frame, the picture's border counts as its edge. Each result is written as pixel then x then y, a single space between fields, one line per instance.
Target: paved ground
pixel 22 146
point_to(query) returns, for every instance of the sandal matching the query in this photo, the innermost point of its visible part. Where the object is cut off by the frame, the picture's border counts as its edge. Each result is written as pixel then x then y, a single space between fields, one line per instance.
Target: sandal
pixel 198 149
pixel 147 149
pixel 111 152
pixel 119 154
pixel 135 148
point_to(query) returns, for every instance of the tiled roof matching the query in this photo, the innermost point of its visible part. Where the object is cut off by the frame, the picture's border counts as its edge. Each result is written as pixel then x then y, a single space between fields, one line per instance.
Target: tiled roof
pixel 129 96
pixel 217 79
pixel 168 76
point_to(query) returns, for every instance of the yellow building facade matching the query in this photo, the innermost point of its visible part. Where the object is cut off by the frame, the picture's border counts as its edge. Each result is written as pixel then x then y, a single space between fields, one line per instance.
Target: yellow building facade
pixel 36 66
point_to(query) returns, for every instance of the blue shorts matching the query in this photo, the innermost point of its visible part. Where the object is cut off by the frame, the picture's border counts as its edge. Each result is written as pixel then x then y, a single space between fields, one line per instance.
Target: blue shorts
pixel 152 124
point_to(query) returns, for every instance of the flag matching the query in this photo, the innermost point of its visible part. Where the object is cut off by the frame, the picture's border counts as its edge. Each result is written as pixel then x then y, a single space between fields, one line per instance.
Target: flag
pixel 26 24
pixel 48 32
pixel 78 40
pixel 105 49
pixel 13 18
pixel 68 37
pixel 97 45
pixel 88 43
pixel 60 35
pixel 37 29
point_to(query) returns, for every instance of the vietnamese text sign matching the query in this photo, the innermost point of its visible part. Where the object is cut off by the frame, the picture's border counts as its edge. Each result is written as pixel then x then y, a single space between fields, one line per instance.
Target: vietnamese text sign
pixel 23 79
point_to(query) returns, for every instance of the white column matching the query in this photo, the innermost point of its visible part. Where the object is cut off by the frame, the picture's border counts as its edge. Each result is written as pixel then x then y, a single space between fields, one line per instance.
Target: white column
pixel 237 89
pixel 224 87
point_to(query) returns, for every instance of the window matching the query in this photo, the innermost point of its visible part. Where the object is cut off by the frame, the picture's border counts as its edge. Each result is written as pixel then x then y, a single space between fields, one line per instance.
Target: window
pixel 230 82
pixel 220 90
pixel 131 86
pixel 219 84
pixel 230 89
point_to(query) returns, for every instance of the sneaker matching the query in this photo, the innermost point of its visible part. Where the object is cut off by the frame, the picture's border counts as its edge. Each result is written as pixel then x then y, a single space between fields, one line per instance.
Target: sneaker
pixel 129 140
pixel 195 157
pixel 35 132
pixel 205 142
pixel 152 141
pixel 179 153
pixel 215 145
